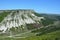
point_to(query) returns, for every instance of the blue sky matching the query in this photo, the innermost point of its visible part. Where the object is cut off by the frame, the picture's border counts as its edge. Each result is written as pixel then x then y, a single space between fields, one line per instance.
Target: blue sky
pixel 42 6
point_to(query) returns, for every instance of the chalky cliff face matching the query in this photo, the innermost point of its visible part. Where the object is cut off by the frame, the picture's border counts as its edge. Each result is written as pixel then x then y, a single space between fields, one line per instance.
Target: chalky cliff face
pixel 19 18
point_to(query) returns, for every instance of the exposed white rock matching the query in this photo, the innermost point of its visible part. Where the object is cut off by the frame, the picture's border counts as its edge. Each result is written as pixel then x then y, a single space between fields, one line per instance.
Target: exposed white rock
pixel 17 20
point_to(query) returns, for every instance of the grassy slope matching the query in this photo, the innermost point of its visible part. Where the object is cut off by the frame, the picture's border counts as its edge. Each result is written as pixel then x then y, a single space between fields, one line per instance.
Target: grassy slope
pixel 3 15
pixel 49 36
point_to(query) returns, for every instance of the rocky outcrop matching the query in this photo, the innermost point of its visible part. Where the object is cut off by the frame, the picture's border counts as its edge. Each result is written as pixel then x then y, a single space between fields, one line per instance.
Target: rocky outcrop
pixel 19 17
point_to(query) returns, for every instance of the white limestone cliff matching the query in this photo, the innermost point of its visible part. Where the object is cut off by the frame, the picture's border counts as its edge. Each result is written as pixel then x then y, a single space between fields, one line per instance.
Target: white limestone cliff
pixel 18 18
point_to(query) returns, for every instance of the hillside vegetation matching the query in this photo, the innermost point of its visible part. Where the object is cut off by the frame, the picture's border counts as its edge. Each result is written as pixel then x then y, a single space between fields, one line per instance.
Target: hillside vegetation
pixel 3 15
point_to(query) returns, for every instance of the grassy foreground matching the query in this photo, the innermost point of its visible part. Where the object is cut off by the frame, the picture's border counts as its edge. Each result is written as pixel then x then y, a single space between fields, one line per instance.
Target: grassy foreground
pixel 49 36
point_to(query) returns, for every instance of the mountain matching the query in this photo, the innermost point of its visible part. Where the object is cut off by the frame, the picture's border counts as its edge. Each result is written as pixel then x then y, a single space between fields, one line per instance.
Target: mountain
pixel 17 21
pixel 28 25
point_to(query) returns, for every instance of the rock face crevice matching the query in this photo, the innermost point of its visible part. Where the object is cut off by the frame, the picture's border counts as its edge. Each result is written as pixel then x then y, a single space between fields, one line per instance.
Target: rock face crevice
pixel 17 18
